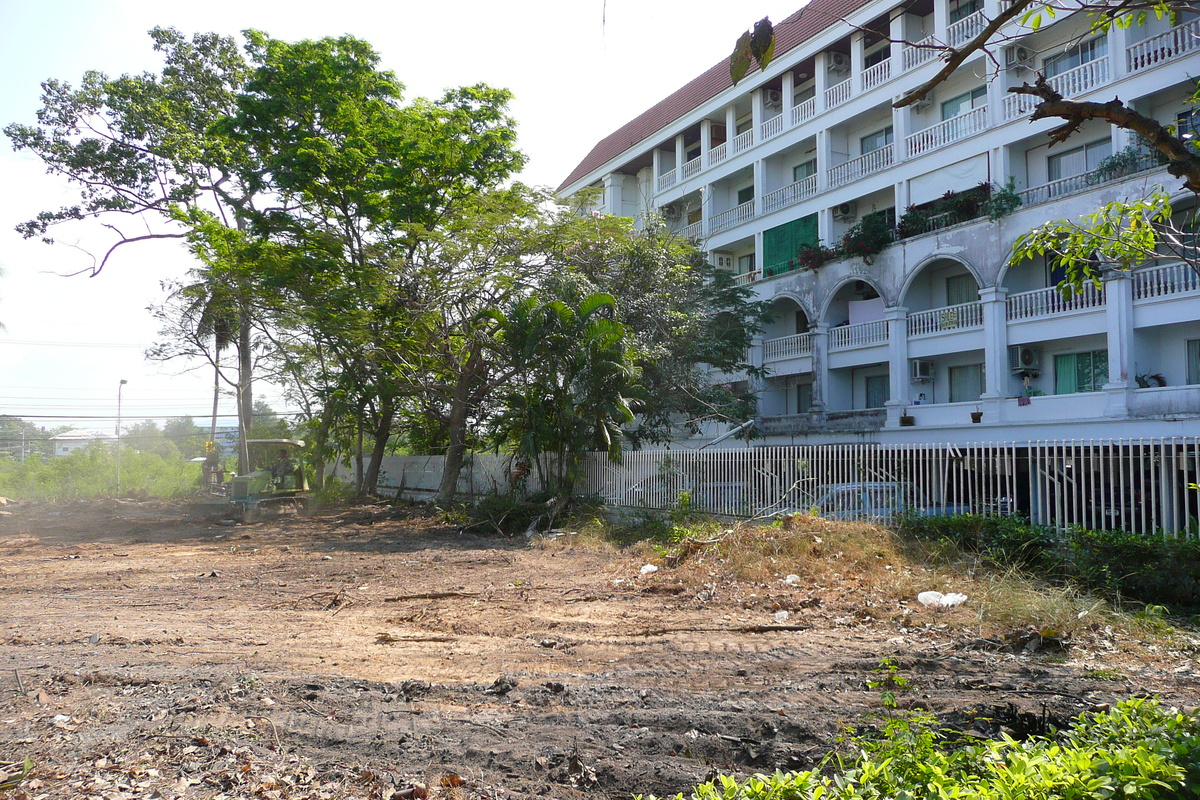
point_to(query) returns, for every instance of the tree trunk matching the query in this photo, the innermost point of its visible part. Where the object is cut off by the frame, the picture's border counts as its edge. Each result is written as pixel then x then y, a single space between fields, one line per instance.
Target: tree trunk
pixel 383 432
pixel 319 439
pixel 457 451
pixel 245 396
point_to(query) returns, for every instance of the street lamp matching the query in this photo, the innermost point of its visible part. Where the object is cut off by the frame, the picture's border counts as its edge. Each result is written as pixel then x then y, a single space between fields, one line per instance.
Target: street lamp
pixel 120 386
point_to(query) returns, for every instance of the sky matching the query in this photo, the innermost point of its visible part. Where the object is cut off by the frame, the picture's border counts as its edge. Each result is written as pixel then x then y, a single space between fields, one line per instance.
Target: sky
pixel 579 69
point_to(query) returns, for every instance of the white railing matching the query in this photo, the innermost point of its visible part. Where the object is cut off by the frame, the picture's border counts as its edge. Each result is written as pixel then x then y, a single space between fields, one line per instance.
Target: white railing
pixel 745 279
pixel 1071 83
pixel 860 335
pixel 1164 281
pixel 1164 47
pixel 947 131
pixel 965 29
pixel 790 194
pixel 772 127
pixel 1146 161
pixel 691 168
pixel 718 153
pixel 732 218
pixel 742 142
pixel 918 53
pixel 949 318
pixel 806 110
pixel 1050 301
pixel 837 94
pixel 693 231
pixel 876 74
pixel 799 344
pixel 856 168
pixel 667 180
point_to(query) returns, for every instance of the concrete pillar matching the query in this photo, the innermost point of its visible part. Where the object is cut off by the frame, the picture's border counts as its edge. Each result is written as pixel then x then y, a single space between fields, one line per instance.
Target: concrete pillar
pixel 1118 291
pixel 995 342
pixel 1118 41
pixel 760 183
pixel 897 317
pixel 656 157
pixel 730 126
pixel 824 158
pixel 1000 164
pixel 680 154
pixel 820 365
pixel 757 112
pixel 897 32
pixel 821 76
pixel 902 198
pixel 901 128
pixel 857 40
pixel 614 200
pixel 788 91
pixel 759 264
pixel 941 19
pixel 705 141
pixel 825 226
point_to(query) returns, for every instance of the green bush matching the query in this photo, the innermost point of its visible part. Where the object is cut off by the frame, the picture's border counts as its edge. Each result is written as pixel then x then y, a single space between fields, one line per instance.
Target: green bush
pixel 92 472
pixel 1137 750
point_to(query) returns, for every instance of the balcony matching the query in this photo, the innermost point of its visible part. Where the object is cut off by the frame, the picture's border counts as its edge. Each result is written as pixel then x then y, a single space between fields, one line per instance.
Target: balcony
pixel 1135 164
pixel 691 169
pixel 920 52
pixel 943 320
pixel 799 344
pixel 695 231
pixel 1071 83
pixel 742 142
pixel 731 218
pixel 1164 47
pixel 790 194
pixel 966 29
pixel 948 131
pixel 862 334
pixel 838 93
pixel 859 167
pixel 804 111
pixel 667 180
pixel 772 127
pixel 718 153
pixel 876 74
pixel 1165 281
pixel 871 419
pixel 745 279
pixel 1049 302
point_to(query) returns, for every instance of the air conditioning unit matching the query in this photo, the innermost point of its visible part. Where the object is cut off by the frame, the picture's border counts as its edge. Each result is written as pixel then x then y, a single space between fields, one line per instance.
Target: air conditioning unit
pixel 839 63
pixel 922 104
pixel 844 212
pixel 772 97
pixel 1021 358
pixel 1017 56
pixel 723 260
pixel 922 371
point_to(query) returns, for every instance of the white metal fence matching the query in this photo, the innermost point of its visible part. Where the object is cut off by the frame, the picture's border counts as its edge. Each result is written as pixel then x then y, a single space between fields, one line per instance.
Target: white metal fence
pixel 1135 485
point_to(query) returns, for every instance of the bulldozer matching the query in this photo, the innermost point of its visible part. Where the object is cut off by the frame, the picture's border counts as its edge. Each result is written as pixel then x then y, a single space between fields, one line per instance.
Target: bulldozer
pixel 276 482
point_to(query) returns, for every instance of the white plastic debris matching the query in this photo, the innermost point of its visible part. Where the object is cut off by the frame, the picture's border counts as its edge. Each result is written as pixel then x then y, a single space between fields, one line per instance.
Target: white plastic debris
pixel 792 580
pixel 647 569
pixel 939 600
pixel 61 719
pixel 781 616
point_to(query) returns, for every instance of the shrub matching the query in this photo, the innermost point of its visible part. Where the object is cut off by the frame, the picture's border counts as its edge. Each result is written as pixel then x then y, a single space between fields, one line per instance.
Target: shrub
pixel 1002 201
pixel 867 238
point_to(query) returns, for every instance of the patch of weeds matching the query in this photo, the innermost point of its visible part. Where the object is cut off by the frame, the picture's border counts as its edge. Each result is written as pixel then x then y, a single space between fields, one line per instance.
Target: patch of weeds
pixel 890 683
pixel 1104 674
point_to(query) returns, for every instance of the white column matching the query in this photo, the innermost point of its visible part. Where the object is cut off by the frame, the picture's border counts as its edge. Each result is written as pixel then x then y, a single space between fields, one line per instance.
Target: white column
pixel 902 198
pixel 760 183
pixel 856 62
pixel 730 126
pixel 757 112
pixel 825 226
pixel 824 158
pixel 680 155
pixel 614 200
pixel 995 351
pixel 901 128
pixel 820 365
pixel 656 156
pixel 897 317
pixel 705 141
pixel 941 19
pixel 1118 307
pixel 821 76
pixel 788 91
pixel 1118 41
pixel 898 32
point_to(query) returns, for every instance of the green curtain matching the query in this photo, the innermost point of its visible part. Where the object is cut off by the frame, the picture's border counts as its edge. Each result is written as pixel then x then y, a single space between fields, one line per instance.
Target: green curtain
pixel 781 243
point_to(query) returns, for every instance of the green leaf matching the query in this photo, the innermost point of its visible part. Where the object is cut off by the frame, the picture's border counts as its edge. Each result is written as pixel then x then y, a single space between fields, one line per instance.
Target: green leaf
pixel 762 42
pixel 739 61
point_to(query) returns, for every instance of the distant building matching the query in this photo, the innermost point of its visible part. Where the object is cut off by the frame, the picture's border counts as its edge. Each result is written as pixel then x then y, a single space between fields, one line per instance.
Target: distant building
pixel 69 441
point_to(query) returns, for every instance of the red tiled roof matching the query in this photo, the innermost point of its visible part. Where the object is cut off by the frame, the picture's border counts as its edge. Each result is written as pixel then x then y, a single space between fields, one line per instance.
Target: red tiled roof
pixel 796 29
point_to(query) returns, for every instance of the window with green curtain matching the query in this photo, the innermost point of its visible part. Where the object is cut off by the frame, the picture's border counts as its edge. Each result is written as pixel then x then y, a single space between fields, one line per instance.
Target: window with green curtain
pixel 966 383
pixel 781 243
pixel 1080 372
pixel 961 289
pixel 804 398
pixel 1193 361
pixel 878 390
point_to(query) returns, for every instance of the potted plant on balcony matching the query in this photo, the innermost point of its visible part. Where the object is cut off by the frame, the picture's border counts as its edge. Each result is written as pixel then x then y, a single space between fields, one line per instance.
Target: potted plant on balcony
pixel 977 415
pixel 914 222
pixel 1002 201
pixel 907 420
pixel 867 237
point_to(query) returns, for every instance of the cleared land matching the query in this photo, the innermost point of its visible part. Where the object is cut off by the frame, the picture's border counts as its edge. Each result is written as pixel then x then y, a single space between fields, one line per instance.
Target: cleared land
pixel 369 652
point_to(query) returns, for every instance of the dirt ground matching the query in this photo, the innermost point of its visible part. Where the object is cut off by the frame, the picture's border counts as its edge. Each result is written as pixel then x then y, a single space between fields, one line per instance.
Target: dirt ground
pixel 371 653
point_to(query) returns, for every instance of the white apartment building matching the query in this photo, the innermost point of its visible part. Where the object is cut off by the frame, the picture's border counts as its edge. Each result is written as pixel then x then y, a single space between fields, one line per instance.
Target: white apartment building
pixel 937 338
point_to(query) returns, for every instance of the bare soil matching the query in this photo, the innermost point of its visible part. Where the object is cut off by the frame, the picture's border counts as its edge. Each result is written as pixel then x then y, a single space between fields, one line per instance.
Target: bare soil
pixel 370 652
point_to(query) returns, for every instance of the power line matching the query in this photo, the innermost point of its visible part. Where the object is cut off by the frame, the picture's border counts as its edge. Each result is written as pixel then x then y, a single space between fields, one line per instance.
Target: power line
pixel 29 343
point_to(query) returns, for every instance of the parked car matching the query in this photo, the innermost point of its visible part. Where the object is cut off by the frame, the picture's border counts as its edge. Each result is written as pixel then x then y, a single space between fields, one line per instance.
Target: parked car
pixel 877 500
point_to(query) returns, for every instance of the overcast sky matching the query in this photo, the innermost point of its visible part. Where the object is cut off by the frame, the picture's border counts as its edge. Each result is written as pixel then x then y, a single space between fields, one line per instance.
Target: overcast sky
pixel 579 69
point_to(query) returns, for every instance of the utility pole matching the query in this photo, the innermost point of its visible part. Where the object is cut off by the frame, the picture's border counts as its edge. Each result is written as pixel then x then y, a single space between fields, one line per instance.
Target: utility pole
pixel 120 386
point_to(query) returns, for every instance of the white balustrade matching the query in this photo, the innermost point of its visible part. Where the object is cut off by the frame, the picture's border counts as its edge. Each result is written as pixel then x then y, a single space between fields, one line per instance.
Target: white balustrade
pixel 1078 183
pixel 1164 281
pixel 799 344
pixel 949 318
pixel 1164 47
pixel 772 127
pixel 742 142
pixel 947 131
pixel 667 180
pixel 837 94
pixel 745 279
pixel 860 335
pixel 691 169
pixel 718 153
pixel 1071 83
pixel 789 195
pixel 876 74
pixel 1050 301
pixel 965 29
pixel 693 231
pixel 732 218
pixel 918 53
pixel 806 110
pixel 856 168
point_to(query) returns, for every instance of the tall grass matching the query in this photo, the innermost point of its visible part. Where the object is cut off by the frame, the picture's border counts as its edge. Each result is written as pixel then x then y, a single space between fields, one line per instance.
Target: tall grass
pixel 92 472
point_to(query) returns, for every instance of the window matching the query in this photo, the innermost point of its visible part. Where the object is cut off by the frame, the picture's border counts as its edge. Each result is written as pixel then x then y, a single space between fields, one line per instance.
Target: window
pixel 803 398
pixel 961 9
pixel 695 216
pixel 875 57
pixel 1079 161
pixel 801 321
pixel 1080 54
pixel 961 289
pixel 876 141
pixel 1193 361
pixel 691 151
pixel 878 391
pixel 805 170
pixel 745 264
pixel 1080 372
pixel 804 95
pixel 976 98
pixel 744 124
pixel 966 383
pixel 745 195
